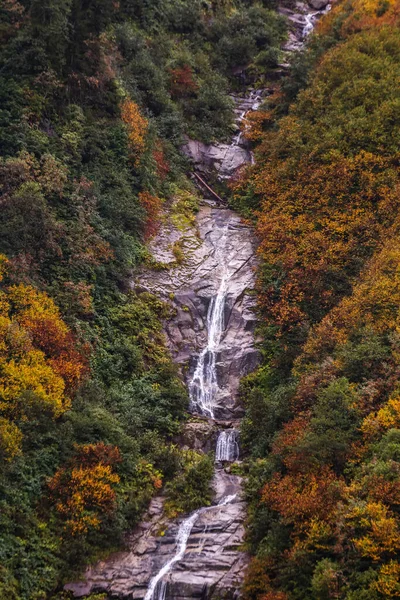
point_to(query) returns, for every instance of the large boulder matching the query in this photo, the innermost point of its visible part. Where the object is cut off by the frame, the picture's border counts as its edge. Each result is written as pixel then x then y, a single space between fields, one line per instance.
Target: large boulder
pixel 318 4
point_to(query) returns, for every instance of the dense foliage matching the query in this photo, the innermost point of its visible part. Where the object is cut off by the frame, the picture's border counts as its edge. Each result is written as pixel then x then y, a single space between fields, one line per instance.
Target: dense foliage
pixel 96 97
pixel 323 421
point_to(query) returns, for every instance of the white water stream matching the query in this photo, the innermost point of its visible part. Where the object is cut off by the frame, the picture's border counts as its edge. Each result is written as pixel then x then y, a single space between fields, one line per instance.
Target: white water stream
pixel 203 386
pixel 227 446
pixel 157 588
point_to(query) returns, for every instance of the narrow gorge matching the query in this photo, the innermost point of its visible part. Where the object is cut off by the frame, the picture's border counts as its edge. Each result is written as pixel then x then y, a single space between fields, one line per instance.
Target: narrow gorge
pixel 211 338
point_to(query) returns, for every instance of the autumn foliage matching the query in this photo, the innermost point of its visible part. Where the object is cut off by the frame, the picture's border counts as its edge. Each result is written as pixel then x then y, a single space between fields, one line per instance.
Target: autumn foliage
pixel 182 82
pixel 39 353
pixel 325 189
pixel 84 490
pixel 137 126
pixel 153 209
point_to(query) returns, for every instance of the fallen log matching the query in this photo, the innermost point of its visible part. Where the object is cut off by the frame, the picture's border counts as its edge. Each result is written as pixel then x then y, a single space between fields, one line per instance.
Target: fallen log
pixel 203 183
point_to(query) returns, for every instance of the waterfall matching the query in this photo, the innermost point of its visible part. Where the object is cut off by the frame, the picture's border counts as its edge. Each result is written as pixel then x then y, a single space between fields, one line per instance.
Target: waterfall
pixel 204 384
pixel 310 20
pixel 160 593
pixel 157 588
pixel 309 25
pixel 182 537
pixel 255 97
pixel 227 446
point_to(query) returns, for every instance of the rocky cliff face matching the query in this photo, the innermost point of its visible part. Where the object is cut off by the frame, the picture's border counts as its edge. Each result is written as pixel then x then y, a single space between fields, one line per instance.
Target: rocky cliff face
pixel 191 286
pixel 212 564
pixel 225 159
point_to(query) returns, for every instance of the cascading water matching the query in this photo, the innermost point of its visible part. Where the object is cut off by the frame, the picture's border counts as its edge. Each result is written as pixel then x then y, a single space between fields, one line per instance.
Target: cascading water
pixel 214 561
pixel 157 588
pixel 310 22
pixel 160 593
pixel 203 388
pixel 255 98
pixel 204 384
pixel 181 541
pixel 227 446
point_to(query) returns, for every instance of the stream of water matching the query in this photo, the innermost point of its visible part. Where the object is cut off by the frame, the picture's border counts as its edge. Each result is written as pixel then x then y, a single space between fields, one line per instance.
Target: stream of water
pixel 157 588
pixel 227 446
pixel 203 388
pixel 204 385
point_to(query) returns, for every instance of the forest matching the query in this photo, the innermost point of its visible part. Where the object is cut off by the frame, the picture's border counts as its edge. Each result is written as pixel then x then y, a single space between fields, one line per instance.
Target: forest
pixel 322 423
pixel 96 100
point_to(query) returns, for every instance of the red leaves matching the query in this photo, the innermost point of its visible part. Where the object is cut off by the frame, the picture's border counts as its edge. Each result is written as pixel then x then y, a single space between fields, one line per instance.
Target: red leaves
pixel 182 82
pixel 153 207
pixel 161 162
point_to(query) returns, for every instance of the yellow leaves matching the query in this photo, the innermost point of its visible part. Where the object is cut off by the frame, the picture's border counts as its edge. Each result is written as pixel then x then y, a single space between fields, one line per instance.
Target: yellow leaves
pixel 374 303
pixel 10 440
pixel 3 266
pixel 84 493
pixel 137 127
pixel 317 537
pixel 388 583
pixel 382 534
pixel 31 374
pixel 386 418
pixel 39 363
pixel 32 305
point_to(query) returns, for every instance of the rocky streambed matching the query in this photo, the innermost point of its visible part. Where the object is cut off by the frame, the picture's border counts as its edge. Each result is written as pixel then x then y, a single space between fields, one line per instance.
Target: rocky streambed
pixel 211 338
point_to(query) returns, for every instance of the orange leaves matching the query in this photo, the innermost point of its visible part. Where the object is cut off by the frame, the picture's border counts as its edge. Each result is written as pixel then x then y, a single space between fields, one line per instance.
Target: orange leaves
pixel 273 595
pixel 161 162
pixel 384 490
pixel 365 14
pixel 84 491
pixel 312 223
pixel 287 442
pixel 373 303
pixel 91 454
pixel 39 361
pixel 256 579
pixel 300 499
pixel 388 583
pixel 255 124
pixel 182 82
pixel 37 313
pixel 153 207
pixel 137 126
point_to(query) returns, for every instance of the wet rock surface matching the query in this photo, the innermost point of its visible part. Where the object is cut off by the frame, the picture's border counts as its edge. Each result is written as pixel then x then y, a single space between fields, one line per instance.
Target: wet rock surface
pixel 189 288
pixel 213 563
pixel 225 159
pixel 302 17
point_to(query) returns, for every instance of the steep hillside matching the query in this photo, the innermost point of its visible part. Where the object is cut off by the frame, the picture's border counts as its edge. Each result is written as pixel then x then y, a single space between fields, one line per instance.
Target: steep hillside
pixel 97 97
pixel 323 420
